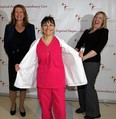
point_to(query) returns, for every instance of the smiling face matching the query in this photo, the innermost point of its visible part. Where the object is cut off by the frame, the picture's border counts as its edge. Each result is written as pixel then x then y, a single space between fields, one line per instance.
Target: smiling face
pixel 98 21
pixel 19 14
pixel 48 28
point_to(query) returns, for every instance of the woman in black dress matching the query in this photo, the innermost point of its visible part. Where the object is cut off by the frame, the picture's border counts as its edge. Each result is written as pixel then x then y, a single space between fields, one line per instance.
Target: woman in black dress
pixel 19 34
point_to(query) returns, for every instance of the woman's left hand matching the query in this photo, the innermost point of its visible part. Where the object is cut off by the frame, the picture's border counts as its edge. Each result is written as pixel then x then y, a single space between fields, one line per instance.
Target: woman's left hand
pixel 17 67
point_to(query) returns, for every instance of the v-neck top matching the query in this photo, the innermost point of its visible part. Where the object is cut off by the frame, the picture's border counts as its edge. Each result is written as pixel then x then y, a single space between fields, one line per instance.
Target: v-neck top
pixel 19 39
pixel 50 72
pixel 19 46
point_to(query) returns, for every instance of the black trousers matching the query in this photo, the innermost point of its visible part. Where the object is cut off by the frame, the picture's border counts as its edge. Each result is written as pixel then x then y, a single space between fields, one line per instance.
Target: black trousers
pixel 88 98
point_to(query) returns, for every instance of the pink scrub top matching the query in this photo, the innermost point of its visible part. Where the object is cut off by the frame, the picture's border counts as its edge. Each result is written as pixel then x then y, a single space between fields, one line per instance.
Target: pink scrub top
pixel 50 72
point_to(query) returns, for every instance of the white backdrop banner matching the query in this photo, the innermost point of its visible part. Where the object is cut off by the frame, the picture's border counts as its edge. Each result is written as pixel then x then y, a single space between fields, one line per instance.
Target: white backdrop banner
pixel 72 17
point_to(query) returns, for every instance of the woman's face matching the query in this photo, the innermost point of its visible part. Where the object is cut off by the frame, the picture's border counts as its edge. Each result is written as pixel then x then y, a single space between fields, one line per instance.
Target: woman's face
pixel 19 14
pixel 48 28
pixel 98 21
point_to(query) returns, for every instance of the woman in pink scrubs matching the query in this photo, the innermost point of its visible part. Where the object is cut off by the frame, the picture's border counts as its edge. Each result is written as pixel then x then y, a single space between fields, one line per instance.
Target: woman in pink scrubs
pixel 46 62
pixel 50 73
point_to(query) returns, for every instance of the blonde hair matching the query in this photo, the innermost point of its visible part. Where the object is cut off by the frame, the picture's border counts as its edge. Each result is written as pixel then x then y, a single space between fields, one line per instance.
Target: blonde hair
pixel 104 25
pixel 13 20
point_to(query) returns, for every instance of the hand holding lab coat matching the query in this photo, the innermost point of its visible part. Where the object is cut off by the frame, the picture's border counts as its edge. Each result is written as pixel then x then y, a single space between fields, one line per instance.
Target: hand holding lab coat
pixel 74 71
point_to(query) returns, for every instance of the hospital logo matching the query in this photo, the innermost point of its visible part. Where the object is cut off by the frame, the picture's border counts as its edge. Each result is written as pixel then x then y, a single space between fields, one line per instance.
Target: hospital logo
pixel 37 29
pixel 1 17
pixel 78 17
pixel 64 5
pixel 3 83
pixel 67 7
pixel 105 68
pixel 92 6
pixel 113 78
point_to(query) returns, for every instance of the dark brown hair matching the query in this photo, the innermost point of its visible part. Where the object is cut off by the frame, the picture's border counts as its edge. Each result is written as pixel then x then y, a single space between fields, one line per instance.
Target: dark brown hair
pixel 47 19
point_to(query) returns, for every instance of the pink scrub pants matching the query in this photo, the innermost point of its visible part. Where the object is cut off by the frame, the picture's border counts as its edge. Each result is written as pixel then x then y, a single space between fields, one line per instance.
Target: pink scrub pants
pixel 52 102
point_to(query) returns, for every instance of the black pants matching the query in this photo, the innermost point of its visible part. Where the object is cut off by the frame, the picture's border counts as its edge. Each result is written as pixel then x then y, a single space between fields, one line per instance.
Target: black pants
pixel 88 98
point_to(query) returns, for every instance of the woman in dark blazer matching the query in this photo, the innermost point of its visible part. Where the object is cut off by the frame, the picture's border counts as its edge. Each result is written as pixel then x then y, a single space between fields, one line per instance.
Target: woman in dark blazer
pixel 19 34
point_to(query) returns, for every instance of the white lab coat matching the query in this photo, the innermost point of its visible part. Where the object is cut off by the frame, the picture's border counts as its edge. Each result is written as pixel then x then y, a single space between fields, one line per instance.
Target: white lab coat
pixel 74 71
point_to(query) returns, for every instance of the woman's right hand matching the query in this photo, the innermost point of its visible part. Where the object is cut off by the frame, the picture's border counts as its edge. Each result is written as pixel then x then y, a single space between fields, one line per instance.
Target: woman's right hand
pixel 77 49
pixel 17 67
pixel 81 54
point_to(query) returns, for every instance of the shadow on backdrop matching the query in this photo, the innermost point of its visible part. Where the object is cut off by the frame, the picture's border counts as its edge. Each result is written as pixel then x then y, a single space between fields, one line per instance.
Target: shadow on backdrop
pixel 85 23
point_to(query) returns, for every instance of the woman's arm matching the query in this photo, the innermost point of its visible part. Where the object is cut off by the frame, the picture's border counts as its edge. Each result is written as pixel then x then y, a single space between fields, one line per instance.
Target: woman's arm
pixel 90 54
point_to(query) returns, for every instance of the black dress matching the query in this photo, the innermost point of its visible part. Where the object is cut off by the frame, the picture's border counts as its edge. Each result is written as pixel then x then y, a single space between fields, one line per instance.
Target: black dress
pixel 18 48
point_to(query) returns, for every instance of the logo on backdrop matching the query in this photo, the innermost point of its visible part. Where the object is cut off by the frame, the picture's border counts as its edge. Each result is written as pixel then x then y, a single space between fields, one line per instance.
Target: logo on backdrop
pixel 64 6
pixel 91 6
pixel 1 17
pixel 114 54
pixel 104 67
pixel 37 29
pixel 78 17
pixel 94 7
pixel 3 83
pixel 2 62
pixel 114 79
pixel 67 7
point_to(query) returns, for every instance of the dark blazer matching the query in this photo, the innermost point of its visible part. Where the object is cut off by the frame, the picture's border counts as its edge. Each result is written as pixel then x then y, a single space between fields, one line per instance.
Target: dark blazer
pixel 9 30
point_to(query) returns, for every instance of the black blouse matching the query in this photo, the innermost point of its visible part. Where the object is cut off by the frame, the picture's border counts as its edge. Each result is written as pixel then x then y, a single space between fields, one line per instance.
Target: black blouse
pixel 19 45
pixel 93 41
pixel 20 40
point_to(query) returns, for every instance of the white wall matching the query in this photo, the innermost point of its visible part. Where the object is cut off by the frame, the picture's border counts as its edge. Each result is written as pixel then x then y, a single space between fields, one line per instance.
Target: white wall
pixel 72 18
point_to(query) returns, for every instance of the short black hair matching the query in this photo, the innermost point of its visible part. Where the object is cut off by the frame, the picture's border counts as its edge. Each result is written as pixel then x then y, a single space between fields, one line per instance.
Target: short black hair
pixel 47 19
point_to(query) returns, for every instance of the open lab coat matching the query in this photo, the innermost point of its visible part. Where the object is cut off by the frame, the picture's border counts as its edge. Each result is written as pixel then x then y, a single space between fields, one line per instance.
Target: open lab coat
pixel 74 71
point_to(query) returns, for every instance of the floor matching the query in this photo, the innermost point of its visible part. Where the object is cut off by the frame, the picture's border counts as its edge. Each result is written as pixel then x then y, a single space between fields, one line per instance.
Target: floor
pixel 108 111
